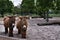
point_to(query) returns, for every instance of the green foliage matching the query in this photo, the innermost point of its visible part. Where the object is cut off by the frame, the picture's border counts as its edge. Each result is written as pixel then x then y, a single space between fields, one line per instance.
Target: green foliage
pixel 17 10
pixel 45 3
pixel 6 6
pixel 27 6
pixel 54 15
pixel 41 7
pixel 58 4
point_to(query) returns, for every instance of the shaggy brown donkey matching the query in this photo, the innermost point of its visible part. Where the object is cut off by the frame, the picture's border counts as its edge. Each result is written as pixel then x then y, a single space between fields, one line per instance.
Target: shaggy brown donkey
pixel 22 26
pixel 9 22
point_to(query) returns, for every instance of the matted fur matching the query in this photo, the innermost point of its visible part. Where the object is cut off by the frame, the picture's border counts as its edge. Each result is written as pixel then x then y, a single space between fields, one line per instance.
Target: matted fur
pixel 8 23
pixel 22 23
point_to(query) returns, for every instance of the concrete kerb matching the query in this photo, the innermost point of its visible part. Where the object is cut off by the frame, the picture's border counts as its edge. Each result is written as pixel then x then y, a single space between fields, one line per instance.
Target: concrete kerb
pixel 12 38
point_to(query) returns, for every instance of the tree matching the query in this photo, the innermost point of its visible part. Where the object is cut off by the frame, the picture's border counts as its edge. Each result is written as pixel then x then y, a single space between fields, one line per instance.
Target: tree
pixel 42 6
pixel 17 10
pixel 5 6
pixel 27 6
pixel 58 4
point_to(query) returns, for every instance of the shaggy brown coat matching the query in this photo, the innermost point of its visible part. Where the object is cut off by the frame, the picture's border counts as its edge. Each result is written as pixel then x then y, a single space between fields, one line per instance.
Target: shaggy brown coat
pixel 22 26
pixel 9 22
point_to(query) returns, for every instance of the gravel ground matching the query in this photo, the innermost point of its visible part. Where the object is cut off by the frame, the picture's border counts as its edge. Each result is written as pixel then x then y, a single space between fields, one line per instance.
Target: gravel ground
pixel 35 32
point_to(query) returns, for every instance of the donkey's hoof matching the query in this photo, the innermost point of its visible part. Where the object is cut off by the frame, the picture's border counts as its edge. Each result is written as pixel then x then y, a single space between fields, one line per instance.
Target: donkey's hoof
pixel 23 36
pixel 10 35
pixel 5 32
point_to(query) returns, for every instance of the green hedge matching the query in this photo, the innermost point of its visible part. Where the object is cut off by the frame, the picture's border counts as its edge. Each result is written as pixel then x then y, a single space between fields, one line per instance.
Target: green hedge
pixel 54 15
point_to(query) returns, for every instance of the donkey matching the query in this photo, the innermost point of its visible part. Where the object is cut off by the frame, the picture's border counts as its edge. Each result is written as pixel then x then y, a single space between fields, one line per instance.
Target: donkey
pixel 22 26
pixel 9 22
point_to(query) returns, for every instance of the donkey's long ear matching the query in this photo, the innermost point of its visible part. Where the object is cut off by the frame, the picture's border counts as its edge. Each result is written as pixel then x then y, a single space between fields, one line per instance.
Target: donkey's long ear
pixel 5 18
pixel 20 17
pixel 9 16
pixel 26 17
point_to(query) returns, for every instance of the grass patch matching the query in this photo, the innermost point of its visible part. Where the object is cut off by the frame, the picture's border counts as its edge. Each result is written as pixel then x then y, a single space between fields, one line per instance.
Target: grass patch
pixel 54 15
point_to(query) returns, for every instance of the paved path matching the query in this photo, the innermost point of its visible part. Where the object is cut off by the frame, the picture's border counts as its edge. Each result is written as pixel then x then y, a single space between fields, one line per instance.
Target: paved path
pixel 35 32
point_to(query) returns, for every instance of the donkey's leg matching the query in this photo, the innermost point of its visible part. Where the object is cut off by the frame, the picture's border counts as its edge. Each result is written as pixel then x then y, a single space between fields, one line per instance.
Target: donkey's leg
pixel 10 31
pixel 23 34
pixel 6 30
pixel 19 31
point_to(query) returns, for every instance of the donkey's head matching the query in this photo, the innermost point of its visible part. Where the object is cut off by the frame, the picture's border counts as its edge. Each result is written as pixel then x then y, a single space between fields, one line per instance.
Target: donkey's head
pixel 12 20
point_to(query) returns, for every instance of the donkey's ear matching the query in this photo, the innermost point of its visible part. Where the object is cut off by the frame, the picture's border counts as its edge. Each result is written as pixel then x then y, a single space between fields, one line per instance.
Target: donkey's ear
pixel 20 17
pixel 26 17
pixel 9 16
pixel 5 18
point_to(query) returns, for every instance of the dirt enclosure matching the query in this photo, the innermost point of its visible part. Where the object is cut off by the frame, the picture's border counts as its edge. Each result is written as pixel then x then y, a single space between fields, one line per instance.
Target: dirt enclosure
pixel 35 32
